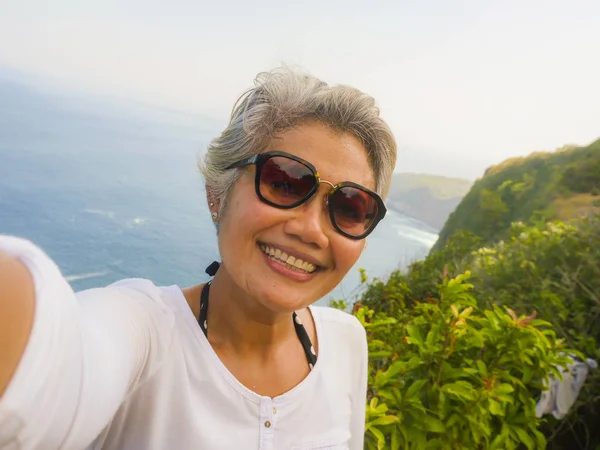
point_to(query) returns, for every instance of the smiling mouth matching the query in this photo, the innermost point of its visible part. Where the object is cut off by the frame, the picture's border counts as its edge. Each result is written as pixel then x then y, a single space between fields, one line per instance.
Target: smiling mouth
pixel 286 260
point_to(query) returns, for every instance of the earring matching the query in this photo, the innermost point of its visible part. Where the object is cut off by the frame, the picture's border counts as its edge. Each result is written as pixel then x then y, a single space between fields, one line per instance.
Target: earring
pixel 214 215
pixel 211 204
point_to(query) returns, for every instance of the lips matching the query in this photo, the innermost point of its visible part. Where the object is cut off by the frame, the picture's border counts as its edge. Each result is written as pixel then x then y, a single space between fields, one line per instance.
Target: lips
pixel 290 261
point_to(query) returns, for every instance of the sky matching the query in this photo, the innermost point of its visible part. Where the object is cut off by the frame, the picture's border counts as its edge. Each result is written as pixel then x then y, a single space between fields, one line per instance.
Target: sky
pixel 463 83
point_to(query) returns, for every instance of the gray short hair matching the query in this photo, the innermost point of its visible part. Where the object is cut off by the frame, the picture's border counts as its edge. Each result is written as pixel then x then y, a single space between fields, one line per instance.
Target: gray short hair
pixel 282 99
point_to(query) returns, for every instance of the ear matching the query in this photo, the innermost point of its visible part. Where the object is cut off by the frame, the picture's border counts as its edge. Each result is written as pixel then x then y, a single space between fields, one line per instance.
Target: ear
pixel 214 206
pixel 211 198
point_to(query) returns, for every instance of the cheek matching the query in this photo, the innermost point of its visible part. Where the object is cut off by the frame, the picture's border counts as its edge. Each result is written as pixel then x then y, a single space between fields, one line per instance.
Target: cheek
pixel 346 252
pixel 239 207
pixel 251 216
pixel 246 216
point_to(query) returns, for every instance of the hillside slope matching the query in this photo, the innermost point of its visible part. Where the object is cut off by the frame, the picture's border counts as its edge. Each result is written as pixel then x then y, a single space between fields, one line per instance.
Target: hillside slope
pixel 542 186
pixel 428 198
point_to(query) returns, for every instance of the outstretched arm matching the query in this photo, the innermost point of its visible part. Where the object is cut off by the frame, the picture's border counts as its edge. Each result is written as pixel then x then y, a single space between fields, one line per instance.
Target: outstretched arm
pixel 68 361
pixel 17 306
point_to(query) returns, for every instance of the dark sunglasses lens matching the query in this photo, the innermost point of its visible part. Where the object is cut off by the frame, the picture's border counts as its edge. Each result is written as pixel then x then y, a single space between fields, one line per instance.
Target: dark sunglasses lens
pixel 285 182
pixel 353 210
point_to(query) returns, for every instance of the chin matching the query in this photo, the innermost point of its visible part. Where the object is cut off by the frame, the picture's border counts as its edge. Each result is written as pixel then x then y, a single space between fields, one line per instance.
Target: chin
pixel 279 298
pixel 285 304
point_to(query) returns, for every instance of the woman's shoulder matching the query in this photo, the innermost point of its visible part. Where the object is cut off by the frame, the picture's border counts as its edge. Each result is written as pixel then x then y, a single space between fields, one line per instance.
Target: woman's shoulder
pixel 136 297
pixel 341 337
pixel 141 287
pixel 338 320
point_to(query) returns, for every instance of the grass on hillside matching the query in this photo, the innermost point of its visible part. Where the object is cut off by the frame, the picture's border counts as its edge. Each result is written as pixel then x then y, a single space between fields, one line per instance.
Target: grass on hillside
pixel 540 187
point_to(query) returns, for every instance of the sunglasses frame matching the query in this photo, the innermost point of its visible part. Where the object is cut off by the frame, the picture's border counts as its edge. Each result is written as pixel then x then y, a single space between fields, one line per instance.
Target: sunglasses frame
pixel 260 160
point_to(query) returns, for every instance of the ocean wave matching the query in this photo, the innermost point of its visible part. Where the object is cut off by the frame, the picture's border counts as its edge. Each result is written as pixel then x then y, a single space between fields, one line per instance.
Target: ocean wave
pixel 109 214
pixel 413 234
pixel 129 223
pixel 85 276
pixel 136 221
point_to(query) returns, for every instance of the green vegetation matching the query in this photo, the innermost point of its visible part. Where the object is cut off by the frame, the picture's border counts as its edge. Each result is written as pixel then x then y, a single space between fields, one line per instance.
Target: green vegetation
pixel 447 375
pixel 428 198
pixel 461 342
pixel 541 187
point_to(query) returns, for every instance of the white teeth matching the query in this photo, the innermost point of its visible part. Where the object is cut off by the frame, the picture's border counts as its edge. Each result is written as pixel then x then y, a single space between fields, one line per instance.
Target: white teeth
pixel 291 261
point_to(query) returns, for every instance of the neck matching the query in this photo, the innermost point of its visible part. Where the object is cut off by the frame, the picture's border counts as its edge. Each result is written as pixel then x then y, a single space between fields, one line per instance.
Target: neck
pixel 241 323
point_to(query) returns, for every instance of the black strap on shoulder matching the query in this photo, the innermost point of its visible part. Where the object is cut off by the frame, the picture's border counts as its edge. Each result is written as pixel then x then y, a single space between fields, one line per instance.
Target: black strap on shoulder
pixel 211 270
pixel 204 309
pixel 309 350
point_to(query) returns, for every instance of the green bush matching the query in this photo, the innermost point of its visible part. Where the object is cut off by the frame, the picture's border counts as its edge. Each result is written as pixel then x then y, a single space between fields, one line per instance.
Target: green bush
pixel 447 375
pixel 552 269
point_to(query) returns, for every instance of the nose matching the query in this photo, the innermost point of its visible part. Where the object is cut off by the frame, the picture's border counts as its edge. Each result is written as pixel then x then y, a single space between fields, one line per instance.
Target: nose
pixel 309 222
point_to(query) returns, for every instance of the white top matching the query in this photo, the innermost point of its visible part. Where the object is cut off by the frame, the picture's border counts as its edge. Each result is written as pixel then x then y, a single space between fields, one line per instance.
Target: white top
pixel 127 367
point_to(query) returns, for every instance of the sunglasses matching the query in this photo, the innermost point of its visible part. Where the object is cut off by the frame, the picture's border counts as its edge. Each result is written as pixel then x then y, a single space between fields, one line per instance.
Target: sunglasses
pixel 286 181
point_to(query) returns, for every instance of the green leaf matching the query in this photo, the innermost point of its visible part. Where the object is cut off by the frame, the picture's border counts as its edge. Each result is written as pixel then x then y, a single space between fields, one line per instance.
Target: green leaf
pixel 426 422
pixel 433 425
pixel 482 368
pixel 453 420
pixel 538 323
pixel 395 444
pixel 380 323
pixel 504 388
pixel 540 439
pixel 382 378
pixel 377 343
pixel 381 409
pixel 373 403
pixel 524 437
pixel 505 399
pixel 435 444
pixel 451 373
pixel 496 408
pixel 380 354
pixel 527 374
pixel 384 420
pixel 415 388
pixel 414 335
pixel 499 441
pixel 379 436
pixel 459 389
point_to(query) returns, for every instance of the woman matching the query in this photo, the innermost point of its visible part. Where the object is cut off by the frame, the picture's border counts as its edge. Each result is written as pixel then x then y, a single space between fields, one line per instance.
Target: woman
pixel 294 186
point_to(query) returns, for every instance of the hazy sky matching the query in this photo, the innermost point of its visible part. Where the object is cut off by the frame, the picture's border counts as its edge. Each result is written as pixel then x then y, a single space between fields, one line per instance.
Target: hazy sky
pixel 463 83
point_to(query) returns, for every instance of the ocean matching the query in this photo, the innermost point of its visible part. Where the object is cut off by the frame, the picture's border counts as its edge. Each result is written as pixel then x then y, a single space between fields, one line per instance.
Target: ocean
pixel 111 190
